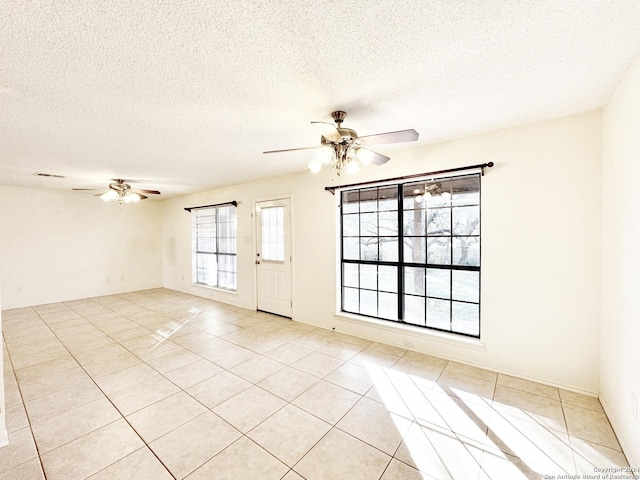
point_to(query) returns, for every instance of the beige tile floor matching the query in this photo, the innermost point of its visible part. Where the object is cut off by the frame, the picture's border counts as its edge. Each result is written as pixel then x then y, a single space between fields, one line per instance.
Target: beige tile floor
pixel 159 385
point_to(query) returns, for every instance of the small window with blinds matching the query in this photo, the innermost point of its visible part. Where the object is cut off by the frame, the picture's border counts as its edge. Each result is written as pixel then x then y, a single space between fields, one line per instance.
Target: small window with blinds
pixel 214 247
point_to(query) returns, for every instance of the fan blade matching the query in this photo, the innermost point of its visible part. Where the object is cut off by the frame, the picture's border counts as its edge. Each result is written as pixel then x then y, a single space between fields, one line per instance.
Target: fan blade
pixel 391 137
pixel 290 150
pixel 142 197
pixel 142 190
pixel 329 131
pixel 376 158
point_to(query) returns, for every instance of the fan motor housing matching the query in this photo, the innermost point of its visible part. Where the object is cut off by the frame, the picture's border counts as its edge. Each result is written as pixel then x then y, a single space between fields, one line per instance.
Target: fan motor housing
pixel 347 134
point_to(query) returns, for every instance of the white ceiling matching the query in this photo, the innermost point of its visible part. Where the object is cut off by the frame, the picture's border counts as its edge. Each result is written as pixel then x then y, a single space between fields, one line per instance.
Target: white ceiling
pixel 185 96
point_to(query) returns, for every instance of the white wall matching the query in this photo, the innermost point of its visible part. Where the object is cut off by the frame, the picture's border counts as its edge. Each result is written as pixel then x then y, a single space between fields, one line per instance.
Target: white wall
pixel 4 437
pixel 57 246
pixel 620 333
pixel 541 208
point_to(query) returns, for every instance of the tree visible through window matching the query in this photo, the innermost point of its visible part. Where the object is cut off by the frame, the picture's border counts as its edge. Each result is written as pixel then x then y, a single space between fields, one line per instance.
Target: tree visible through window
pixel 214 246
pixel 411 253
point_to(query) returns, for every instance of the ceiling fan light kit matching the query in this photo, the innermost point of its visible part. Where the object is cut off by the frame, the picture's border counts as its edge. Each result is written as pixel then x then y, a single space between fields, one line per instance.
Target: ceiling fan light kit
pixel 122 192
pixel 342 150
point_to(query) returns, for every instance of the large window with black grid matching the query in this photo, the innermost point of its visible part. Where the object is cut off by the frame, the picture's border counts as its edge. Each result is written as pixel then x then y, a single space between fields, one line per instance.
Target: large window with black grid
pixel 214 246
pixel 411 253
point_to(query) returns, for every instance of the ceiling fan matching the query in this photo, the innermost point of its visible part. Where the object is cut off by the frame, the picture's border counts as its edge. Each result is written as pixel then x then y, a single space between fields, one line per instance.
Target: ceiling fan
pixel 122 192
pixel 340 147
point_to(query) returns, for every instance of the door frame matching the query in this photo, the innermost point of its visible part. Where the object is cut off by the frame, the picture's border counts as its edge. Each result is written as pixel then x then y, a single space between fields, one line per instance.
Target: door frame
pixel 254 203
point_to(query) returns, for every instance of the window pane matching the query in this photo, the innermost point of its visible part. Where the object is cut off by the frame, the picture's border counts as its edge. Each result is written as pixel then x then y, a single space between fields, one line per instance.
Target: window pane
pixel 369 200
pixel 466 286
pixel 466 318
pixel 369 249
pixel 439 250
pixel 206 269
pixel 388 305
pixel 466 191
pixel 439 193
pixel 368 303
pixel 272 233
pixel 350 201
pixel 351 225
pixel 415 250
pixel 439 221
pixel 466 220
pixel 388 249
pixel 413 195
pixel 414 310
pixel 414 280
pixel 466 251
pixel 350 300
pixel 351 248
pixel 388 224
pixel 415 222
pixel 388 279
pixel 369 225
pixel 350 275
pixel 438 283
pixel 388 198
pixel 369 277
pixel 438 314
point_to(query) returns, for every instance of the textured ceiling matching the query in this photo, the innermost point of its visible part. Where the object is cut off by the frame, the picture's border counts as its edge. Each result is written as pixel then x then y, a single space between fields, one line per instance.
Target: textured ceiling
pixel 185 95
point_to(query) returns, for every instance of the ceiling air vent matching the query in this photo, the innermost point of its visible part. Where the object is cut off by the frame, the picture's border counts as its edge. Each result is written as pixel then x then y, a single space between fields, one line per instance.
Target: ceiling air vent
pixel 49 175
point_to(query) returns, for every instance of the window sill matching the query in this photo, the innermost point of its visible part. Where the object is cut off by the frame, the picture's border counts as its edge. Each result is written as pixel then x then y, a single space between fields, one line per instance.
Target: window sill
pixel 416 333
pixel 215 289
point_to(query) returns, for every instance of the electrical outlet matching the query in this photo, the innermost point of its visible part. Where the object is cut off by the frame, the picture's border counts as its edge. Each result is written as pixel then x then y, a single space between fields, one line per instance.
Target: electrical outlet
pixel 407 342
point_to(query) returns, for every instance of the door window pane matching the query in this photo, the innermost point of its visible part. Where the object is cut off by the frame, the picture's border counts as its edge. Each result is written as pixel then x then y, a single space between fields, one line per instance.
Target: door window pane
pixel 272 233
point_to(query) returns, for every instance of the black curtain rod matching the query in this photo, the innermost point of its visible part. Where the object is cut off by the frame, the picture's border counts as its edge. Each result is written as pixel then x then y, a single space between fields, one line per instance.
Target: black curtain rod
pixel 234 203
pixel 481 166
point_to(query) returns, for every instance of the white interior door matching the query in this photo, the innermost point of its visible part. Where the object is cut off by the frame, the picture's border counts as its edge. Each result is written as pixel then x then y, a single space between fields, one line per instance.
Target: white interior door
pixel 273 257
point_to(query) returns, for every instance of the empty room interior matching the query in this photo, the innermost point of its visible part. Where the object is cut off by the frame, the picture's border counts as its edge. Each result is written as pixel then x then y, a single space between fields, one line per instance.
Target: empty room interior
pixel 328 240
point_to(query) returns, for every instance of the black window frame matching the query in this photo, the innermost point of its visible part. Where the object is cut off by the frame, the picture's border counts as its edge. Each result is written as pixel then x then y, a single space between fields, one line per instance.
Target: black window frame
pixel 400 263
